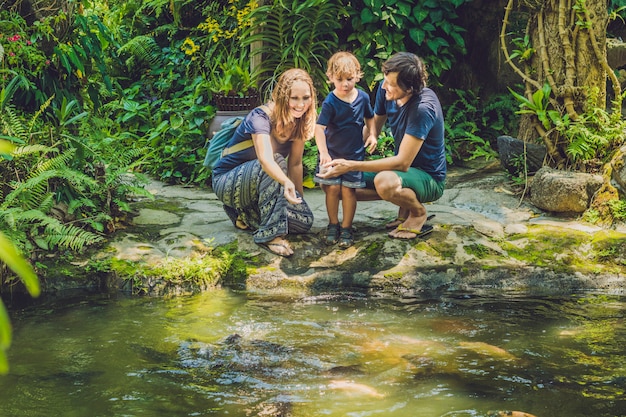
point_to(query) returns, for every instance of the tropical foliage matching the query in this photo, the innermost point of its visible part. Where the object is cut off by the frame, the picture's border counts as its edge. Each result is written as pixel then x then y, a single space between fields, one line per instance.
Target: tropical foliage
pixel 378 28
pixel 94 95
pixel 305 33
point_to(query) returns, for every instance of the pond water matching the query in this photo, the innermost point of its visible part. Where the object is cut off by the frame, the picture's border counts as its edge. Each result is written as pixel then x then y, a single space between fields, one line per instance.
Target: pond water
pixel 228 353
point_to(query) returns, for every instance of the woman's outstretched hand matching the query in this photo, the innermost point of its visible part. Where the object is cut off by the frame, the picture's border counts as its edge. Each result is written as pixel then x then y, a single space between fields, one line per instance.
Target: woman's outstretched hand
pixel 290 193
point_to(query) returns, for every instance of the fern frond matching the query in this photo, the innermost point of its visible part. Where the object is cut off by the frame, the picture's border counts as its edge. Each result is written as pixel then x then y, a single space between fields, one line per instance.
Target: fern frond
pixel 77 179
pixel 68 236
pixel 143 48
pixel 34 191
pixel 46 204
pixel 26 150
pixel 28 194
pixel 78 203
pixel 12 124
pixel 20 217
pixel 56 163
pixel 8 218
pixel 39 112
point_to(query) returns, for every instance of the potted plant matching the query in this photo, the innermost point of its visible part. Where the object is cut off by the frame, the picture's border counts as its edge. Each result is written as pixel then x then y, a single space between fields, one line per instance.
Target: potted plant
pixel 233 87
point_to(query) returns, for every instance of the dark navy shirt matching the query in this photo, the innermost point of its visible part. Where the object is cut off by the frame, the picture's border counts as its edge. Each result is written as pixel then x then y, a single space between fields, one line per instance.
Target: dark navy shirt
pixel 257 122
pixel 344 125
pixel 421 117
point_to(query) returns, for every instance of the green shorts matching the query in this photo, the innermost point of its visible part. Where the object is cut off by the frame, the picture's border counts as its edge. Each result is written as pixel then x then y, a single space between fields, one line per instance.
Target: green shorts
pixel 425 187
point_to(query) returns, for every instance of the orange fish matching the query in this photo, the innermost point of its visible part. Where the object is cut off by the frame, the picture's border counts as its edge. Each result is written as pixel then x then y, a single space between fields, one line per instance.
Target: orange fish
pixel 354 388
pixel 510 414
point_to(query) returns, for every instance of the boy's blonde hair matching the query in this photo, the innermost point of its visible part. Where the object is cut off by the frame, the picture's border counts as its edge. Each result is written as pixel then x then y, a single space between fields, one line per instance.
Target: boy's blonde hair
pixel 344 63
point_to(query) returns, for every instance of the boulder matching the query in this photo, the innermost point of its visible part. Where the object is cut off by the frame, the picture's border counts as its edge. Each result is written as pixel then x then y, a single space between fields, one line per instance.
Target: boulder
pixel 619 170
pixel 511 151
pixel 563 191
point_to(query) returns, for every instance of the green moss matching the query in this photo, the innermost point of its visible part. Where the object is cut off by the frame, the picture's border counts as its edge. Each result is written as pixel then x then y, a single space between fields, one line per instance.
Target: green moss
pixel 242 264
pixel 610 247
pixel 203 270
pixel 425 246
pixel 370 254
pixel 445 250
pixel 394 275
pixel 569 250
pixel 478 250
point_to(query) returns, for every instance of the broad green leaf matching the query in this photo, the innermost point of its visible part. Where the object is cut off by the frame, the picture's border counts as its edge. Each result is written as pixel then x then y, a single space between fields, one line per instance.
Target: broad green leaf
pixel 75 118
pixel 10 256
pixel 417 35
pixel 5 338
pixel 538 99
pixel 404 8
pixel 6 147
pixel 429 27
pixel 458 39
pixel 367 16
pixel 420 14
pixel 435 44
pixel 78 64
pixel 176 121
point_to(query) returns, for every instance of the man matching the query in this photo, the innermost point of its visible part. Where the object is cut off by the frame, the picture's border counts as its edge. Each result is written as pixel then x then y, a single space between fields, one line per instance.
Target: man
pixel 416 174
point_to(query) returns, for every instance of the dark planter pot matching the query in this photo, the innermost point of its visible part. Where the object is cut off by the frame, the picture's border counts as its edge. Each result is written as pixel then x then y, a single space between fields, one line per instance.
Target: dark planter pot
pixel 236 103
pixel 232 105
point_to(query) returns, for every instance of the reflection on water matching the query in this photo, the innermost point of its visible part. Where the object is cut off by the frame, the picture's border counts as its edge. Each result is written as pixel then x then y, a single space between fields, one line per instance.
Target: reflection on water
pixel 238 354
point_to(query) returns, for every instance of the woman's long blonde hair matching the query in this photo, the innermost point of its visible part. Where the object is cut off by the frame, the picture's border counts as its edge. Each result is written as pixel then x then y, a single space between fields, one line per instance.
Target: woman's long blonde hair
pixel 282 121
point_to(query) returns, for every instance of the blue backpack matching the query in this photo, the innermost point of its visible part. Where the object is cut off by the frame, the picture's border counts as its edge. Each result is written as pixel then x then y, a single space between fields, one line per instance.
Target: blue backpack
pixel 217 144
pixel 220 139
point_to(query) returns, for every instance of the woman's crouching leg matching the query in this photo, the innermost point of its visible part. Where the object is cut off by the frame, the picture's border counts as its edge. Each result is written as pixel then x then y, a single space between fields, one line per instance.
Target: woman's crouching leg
pixel 278 216
pixel 299 217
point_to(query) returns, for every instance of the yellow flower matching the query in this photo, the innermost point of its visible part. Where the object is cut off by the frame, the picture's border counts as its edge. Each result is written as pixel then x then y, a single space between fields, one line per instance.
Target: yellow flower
pixel 209 25
pixel 189 47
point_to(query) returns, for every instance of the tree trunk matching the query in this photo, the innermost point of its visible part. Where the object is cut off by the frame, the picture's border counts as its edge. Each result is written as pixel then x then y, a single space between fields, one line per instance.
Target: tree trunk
pixel 569 41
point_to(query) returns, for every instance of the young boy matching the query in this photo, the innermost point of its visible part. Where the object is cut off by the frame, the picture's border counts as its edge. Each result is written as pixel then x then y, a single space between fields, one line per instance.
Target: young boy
pixel 339 134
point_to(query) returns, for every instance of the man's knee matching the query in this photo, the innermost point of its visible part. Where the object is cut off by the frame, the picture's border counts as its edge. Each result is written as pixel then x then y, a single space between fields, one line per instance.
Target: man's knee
pixel 387 184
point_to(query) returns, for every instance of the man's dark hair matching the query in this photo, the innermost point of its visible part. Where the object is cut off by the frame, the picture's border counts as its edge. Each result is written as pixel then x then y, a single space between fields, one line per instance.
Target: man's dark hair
pixel 411 71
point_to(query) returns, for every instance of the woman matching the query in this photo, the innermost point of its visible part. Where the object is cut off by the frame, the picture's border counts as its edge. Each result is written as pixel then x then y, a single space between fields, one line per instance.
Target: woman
pixel 261 186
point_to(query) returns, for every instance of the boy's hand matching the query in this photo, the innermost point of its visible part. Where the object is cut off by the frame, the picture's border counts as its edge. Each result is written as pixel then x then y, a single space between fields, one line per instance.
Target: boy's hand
pixel 370 143
pixel 325 158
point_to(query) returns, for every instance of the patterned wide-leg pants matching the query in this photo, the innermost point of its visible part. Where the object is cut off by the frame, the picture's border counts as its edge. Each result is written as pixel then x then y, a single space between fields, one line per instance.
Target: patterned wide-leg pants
pixel 253 197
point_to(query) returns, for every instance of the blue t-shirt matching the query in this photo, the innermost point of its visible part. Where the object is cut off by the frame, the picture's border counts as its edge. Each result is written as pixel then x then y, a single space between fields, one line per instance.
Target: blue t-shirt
pixel 344 125
pixel 421 117
pixel 257 122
